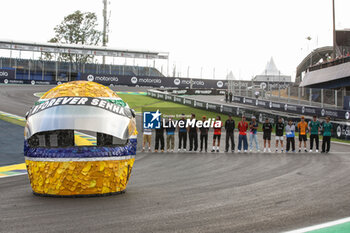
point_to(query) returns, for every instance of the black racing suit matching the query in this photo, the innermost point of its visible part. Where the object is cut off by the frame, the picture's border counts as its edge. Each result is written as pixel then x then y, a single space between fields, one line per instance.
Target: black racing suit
pixel 192 134
pixel 182 134
pixel 204 137
pixel 230 127
pixel 159 137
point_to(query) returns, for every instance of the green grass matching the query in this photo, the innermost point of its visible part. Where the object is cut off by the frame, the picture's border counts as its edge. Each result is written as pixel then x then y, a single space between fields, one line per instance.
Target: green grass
pixel 13 121
pixel 340 228
pixel 138 101
pixel 146 103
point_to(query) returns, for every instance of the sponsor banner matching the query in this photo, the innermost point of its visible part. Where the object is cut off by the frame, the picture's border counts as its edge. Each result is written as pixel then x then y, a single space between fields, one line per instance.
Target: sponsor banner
pixel 26 81
pixel 163 82
pixel 199 104
pixel 187 101
pixel 160 96
pixel 237 99
pixel 177 99
pixel 216 87
pixel 262 103
pixel 179 92
pixel 125 80
pixel 153 94
pixel 293 108
pixel 38 82
pixel 212 107
pixel 203 92
pixel 227 109
pixel 168 98
pixel 14 81
pixel 197 91
pixel 248 101
pixel 341 131
pixel 7 74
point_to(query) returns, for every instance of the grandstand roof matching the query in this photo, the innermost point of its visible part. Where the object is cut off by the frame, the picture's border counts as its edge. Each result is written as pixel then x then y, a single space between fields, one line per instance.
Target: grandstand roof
pixel 314 57
pixel 80 49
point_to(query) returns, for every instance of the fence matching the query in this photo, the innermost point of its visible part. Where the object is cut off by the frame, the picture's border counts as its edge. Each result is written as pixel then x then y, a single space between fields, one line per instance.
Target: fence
pixel 324 98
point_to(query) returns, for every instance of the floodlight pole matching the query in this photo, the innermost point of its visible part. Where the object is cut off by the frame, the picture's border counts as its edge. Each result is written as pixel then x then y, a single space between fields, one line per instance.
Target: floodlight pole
pixel 309 39
pixel 334 33
pixel 104 35
pixel 279 85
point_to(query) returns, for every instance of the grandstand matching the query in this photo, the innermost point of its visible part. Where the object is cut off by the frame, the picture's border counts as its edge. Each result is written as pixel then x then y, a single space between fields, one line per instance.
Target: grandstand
pixel 30 69
pixel 68 71
pixel 325 69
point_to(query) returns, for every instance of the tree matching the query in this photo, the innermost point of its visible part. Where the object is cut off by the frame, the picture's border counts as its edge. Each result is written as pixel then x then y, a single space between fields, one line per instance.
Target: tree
pixel 76 28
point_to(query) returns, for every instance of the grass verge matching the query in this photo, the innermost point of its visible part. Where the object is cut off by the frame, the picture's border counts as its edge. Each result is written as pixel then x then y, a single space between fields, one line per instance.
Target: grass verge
pixel 12 120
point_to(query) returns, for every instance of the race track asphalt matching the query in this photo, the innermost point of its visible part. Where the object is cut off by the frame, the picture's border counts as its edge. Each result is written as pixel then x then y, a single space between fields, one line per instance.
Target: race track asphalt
pixel 186 192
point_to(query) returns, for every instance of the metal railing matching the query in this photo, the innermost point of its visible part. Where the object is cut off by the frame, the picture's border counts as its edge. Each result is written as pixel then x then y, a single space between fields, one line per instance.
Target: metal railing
pixel 325 98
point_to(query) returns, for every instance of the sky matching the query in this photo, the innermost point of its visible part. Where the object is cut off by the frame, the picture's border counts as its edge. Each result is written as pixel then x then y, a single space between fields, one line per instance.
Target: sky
pixel 225 35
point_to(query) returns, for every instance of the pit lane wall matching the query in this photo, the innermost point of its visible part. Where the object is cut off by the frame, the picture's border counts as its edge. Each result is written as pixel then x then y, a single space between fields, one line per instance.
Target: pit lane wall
pixel 341 129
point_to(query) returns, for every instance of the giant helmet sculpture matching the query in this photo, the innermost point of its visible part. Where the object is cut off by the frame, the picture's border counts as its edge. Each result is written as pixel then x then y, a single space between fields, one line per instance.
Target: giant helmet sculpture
pixel 57 165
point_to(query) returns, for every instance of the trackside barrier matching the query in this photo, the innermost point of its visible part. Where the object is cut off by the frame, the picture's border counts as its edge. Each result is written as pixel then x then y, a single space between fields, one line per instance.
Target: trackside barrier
pixel 341 130
pixel 196 91
pixel 293 108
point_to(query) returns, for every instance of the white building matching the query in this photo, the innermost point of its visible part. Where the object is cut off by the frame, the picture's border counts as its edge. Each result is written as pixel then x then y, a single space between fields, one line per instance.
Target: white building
pixel 230 76
pixel 272 74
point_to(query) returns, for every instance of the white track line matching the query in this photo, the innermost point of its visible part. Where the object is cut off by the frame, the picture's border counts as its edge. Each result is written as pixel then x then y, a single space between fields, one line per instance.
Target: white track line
pixel 21 174
pixel 39 94
pixel 12 115
pixel 320 226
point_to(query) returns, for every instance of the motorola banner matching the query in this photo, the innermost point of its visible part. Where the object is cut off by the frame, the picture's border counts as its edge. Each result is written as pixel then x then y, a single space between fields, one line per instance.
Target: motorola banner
pixel 341 131
pixel 6 75
pixel 30 82
pixel 166 82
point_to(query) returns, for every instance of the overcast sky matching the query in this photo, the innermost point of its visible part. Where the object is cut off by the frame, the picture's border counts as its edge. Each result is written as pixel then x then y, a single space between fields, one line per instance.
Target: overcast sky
pixel 229 35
